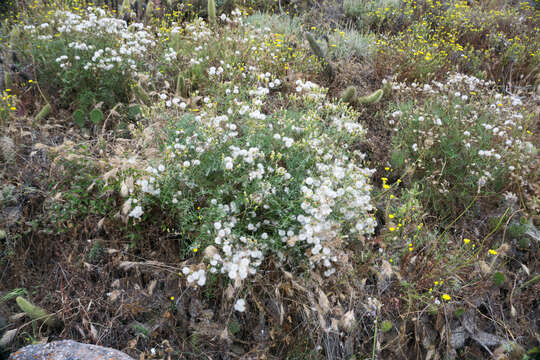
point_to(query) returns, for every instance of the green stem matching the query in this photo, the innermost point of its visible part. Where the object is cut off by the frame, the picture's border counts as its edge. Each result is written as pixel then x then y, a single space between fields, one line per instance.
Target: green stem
pixel 375 337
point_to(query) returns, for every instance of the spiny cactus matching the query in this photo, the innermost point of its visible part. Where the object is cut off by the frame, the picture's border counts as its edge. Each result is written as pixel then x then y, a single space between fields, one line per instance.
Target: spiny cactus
pixel 315 47
pixel 319 53
pixel 349 95
pixel 124 8
pixel 149 10
pixel 44 112
pixel 7 80
pixel 14 35
pixel 372 98
pixel 35 312
pixel 181 86
pixel 212 11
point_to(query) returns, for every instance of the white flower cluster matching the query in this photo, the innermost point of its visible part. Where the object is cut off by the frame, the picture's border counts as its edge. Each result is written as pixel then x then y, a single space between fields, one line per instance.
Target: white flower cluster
pixel 198 276
pixel 326 195
pixel 132 208
pixel 248 156
pixel 237 263
pixel 489 153
pixel 212 71
pixel 307 86
pixel 240 305
pixel 287 141
pixel 198 31
pixel 338 189
pixel 176 102
pixel 170 55
pixel 122 45
pixel 310 90
pixel 344 123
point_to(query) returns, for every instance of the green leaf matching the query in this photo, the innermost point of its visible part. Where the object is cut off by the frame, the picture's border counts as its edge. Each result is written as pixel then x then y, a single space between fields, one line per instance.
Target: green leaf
pixel 79 117
pixel 498 278
pixel 234 327
pixel 96 116
pixel 86 99
pixel 133 111
pixel 35 312
pixel 386 326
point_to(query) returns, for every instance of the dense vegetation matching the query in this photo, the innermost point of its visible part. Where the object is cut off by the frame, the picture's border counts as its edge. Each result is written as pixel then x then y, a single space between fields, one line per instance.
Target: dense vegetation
pixel 272 179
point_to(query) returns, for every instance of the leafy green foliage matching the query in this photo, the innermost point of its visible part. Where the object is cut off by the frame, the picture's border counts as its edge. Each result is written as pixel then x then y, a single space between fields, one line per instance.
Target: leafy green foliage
pixel 458 145
pixel 96 116
pixel 247 164
pixel 498 278
pixel 516 230
pixel 80 194
pixel 96 252
pixel 79 118
pixel 386 326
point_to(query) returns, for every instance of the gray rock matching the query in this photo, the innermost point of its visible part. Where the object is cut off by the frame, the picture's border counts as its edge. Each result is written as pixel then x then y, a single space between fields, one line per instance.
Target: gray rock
pixel 67 350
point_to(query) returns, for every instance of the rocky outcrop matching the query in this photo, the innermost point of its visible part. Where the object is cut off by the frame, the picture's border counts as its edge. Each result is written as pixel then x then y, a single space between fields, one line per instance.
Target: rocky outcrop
pixel 67 350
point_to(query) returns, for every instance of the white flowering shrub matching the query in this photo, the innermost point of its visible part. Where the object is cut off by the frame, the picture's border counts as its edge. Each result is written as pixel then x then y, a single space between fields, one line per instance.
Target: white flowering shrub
pixel 245 184
pixel 87 56
pixel 463 139
pixel 249 184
